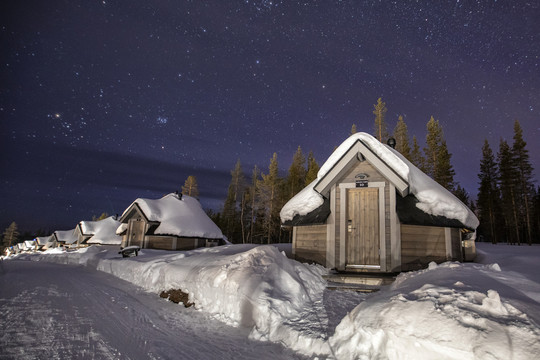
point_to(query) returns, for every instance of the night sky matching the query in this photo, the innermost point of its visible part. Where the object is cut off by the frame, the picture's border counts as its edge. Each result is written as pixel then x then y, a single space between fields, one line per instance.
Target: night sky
pixel 102 102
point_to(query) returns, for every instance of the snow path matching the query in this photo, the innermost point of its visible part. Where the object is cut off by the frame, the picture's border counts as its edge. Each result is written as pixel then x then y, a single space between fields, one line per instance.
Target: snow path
pixel 52 311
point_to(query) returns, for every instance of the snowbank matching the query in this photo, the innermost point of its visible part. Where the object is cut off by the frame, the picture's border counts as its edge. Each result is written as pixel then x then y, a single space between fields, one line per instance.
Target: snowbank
pixel 448 311
pixel 432 197
pixel 242 285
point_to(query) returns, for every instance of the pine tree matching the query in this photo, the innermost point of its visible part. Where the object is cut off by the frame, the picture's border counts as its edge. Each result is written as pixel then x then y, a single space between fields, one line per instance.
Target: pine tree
pixel 253 203
pixel 11 235
pixel 536 214
pixel 416 156
pixel 269 196
pixel 488 195
pixel 353 129
pixel 297 174
pixel 103 215
pixel 312 169
pixel 231 209
pixel 380 130
pixel 508 182
pixel 190 187
pixel 434 138
pixel 524 186
pixel 401 134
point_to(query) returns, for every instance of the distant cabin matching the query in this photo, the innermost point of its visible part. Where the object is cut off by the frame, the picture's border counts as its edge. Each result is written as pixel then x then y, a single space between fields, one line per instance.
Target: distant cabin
pixel 65 238
pixel 371 210
pixel 44 242
pixel 102 232
pixel 30 245
pixel 174 222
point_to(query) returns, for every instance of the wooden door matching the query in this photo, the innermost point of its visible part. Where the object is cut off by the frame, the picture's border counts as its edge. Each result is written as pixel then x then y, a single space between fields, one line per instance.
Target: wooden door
pixel 136 230
pixel 362 230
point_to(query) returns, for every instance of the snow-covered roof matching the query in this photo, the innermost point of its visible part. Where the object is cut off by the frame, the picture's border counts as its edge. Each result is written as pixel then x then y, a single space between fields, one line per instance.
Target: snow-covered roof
pixel 432 198
pixel 66 236
pixel 30 244
pixel 102 231
pixel 42 240
pixel 179 216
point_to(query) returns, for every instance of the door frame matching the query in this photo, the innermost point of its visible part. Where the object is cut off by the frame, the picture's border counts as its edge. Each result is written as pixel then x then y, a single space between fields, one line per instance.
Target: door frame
pixel 343 226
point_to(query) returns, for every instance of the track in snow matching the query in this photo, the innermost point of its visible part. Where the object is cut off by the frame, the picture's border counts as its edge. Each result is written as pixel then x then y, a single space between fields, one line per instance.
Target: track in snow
pixel 51 311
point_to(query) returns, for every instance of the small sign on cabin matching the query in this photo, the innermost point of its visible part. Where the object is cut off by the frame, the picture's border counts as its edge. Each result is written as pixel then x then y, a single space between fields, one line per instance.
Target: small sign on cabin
pixel 361 180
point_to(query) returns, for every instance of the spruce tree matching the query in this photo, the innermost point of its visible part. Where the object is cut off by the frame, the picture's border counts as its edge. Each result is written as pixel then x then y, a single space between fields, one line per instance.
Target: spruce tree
pixel 444 172
pixel 312 170
pixel 297 174
pixel 488 195
pixel 401 135
pixel 416 156
pixel 508 182
pixel 380 130
pixel 190 187
pixel 11 235
pixel 524 186
pixel 462 195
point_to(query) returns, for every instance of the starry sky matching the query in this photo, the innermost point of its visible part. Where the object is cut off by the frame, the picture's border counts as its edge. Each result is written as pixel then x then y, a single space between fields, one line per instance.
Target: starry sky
pixel 102 102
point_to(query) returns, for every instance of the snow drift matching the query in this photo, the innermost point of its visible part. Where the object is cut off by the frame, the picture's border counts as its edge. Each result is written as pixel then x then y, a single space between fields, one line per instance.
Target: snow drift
pixel 448 311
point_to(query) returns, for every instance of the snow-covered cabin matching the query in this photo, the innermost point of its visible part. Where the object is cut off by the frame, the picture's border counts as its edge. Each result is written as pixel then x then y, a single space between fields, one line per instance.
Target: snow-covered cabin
pixel 65 238
pixel 101 232
pixel 21 247
pixel 372 210
pixel 174 222
pixel 45 242
pixel 31 245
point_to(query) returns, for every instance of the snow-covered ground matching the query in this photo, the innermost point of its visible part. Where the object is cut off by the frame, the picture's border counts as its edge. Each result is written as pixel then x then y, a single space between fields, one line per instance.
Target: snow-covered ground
pixel 245 293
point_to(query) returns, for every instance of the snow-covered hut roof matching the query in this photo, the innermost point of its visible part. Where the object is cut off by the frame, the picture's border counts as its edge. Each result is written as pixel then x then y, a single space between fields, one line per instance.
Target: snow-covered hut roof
pixel 66 236
pixel 422 199
pixel 30 244
pixel 177 215
pixel 101 231
pixel 43 240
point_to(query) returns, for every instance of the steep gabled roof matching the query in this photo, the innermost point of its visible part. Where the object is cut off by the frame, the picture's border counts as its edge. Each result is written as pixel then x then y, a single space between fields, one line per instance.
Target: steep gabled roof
pixel 101 231
pixel 65 236
pixel 432 203
pixel 177 215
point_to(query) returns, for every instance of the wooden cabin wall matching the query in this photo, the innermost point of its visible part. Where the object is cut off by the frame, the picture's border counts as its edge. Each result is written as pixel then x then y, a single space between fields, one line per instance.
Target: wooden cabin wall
pixel 173 243
pixel 457 251
pixel 420 245
pixel 310 244
pixel 349 177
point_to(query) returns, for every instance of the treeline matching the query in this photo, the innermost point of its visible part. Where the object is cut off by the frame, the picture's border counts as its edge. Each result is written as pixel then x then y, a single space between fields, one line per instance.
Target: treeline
pixel 250 213
pixel 508 202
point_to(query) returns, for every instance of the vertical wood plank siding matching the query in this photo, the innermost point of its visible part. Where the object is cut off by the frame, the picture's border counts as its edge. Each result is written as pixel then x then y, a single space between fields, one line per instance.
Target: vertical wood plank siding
pixel 420 245
pixel 310 244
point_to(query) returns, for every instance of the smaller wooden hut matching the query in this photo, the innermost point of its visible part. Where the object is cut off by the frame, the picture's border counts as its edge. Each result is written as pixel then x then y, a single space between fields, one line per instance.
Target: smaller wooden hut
pixel 65 238
pixel 174 222
pixel 102 232
pixel 371 210
pixel 44 242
